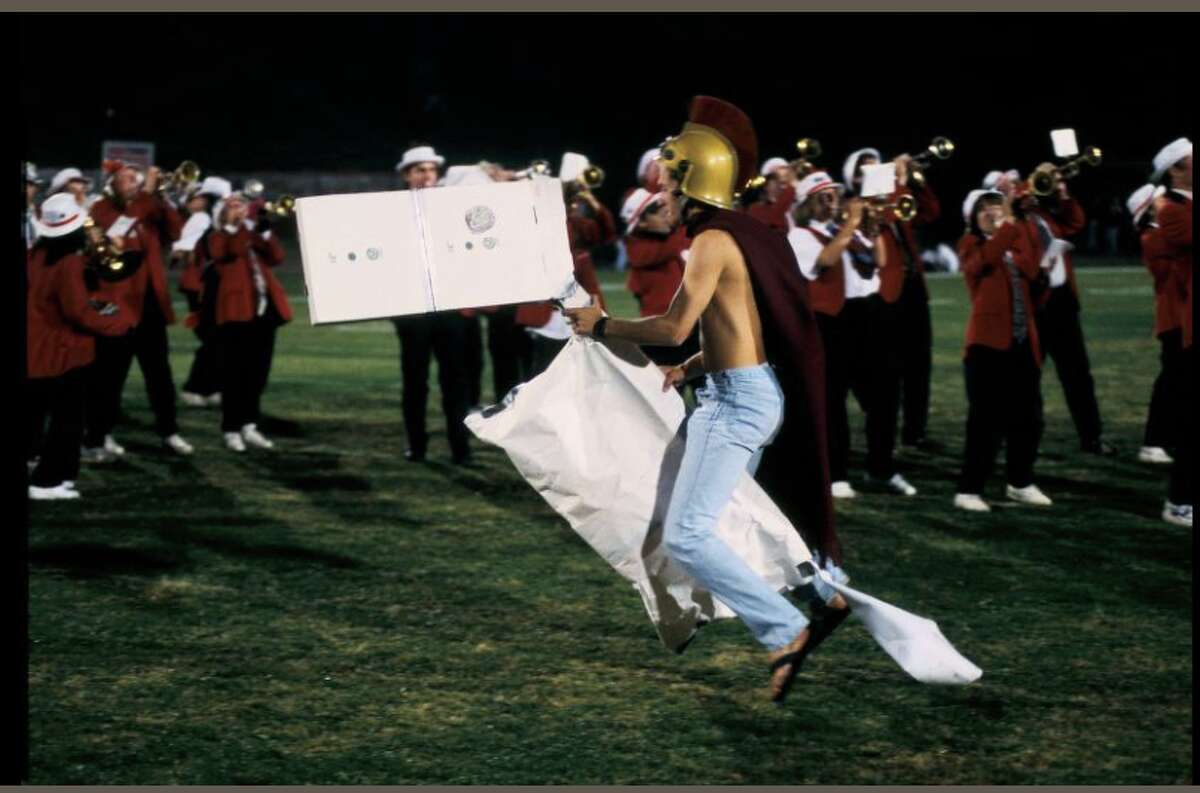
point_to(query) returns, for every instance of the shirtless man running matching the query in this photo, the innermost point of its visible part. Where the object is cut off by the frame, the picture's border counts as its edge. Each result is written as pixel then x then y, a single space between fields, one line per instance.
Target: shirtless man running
pixel 740 409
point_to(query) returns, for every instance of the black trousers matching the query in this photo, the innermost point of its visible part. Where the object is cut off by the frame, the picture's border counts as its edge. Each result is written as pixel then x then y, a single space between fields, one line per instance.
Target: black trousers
pixel 61 400
pixel 837 389
pixel 1165 418
pixel 249 348
pixel 106 377
pixel 444 334
pixel 1004 404
pixel 873 375
pixel 473 360
pixel 541 352
pixel 1181 486
pixel 1061 337
pixel 504 341
pixel 915 344
pixel 204 377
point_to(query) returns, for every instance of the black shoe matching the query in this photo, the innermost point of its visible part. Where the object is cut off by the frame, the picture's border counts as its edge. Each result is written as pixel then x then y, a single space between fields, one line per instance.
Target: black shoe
pixel 1099 446
pixel 461 458
pixel 923 444
pixel 414 456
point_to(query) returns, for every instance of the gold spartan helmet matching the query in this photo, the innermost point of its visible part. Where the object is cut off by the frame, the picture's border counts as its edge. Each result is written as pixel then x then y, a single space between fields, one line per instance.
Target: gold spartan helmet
pixel 704 162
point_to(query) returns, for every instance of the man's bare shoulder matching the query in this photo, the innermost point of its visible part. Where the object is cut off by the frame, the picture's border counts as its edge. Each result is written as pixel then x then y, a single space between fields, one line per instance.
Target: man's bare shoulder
pixel 716 246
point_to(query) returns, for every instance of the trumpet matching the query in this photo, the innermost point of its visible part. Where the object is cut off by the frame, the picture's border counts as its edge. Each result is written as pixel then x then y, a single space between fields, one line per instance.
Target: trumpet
pixel 592 177
pixel 253 188
pixel 904 208
pixel 188 173
pixel 536 168
pixel 810 149
pixel 940 149
pixel 1044 178
pixel 282 206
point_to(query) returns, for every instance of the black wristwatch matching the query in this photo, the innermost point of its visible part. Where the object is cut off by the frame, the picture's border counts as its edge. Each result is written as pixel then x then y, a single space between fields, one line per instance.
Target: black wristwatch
pixel 598 328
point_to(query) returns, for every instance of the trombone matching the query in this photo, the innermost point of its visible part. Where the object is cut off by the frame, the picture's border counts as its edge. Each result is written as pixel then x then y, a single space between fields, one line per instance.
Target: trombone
pixel 281 207
pixel 940 149
pixel 1044 178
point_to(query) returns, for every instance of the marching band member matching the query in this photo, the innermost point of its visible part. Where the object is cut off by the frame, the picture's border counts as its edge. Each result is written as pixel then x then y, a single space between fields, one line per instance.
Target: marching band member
pixel 250 307
pixel 589 225
pixel 778 195
pixel 657 247
pixel 1173 167
pixel 60 323
pixel 1002 356
pixel 1057 308
pixel 442 333
pixel 72 181
pixel 868 321
pixel 33 183
pixel 144 295
pixel 1163 416
pixel 647 172
pixel 198 283
pixel 905 288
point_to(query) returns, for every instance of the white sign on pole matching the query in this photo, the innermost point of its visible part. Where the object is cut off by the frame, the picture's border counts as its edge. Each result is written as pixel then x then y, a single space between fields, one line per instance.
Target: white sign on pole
pixel 133 152
pixel 377 255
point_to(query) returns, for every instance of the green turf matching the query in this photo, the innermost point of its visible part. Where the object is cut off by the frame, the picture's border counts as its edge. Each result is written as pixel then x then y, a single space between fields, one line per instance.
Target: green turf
pixel 328 613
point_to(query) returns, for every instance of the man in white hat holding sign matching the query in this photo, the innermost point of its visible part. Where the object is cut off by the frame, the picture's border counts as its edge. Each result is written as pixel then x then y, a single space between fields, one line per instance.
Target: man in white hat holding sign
pixel 443 333
pixel 1173 168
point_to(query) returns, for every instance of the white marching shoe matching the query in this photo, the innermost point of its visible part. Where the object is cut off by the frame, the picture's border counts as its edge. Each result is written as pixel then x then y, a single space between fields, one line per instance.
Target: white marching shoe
pixel 59 492
pixel 842 489
pixel 96 455
pixel 971 502
pixel 1178 514
pixel 233 442
pixel 1028 495
pixel 253 437
pixel 178 445
pixel 192 400
pixel 898 484
pixel 112 447
pixel 1155 455
pixel 213 400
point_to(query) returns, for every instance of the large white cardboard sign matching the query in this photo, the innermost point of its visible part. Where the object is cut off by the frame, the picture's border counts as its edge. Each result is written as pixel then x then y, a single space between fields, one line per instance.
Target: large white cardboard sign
pixel 376 255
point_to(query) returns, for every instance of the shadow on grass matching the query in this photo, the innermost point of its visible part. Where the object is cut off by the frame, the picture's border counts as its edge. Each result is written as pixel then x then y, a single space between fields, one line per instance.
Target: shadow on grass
pixel 97 560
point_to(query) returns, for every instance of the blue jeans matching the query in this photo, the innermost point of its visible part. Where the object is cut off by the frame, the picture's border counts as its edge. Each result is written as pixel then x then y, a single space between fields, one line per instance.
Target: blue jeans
pixel 739 411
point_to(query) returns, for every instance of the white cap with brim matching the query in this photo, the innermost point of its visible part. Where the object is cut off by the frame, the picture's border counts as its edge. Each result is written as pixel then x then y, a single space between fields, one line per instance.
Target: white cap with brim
pixel 648 157
pixel 993 177
pixel 815 182
pixel 852 162
pixel 968 207
pixel 635 205
pixel 420 154
pixel 1141 199
pixel 770 165
pixel 31 174
pixel 1170 154
pixel 573 165
pixel 215 186
pixel 60 216
pixel 66 175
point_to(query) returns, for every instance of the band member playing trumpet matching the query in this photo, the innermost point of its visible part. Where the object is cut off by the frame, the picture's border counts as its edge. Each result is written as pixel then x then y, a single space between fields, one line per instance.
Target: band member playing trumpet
pixel 778 194
pixel 1173 167
pixel 869 323
pixel 121 214
pixel 1002 358
pixel 1057 215
pixel 198 283
pixel 250 307
pixel 443 334
pixel 838 250
pixel 60 326
pixel 904 287
pixel 742 286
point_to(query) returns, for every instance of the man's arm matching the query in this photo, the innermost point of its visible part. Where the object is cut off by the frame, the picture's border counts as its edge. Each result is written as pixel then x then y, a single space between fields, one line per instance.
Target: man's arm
pixel 710 252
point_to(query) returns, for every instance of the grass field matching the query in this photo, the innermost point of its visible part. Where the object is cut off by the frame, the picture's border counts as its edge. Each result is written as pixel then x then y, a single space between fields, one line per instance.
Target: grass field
pixel 327 613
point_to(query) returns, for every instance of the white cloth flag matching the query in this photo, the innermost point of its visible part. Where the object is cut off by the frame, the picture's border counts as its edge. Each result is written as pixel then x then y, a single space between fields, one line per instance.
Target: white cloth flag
pixel 599 440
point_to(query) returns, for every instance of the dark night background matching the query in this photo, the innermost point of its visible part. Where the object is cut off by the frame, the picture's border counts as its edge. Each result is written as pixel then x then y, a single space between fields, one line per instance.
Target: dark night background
pixel 278 92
